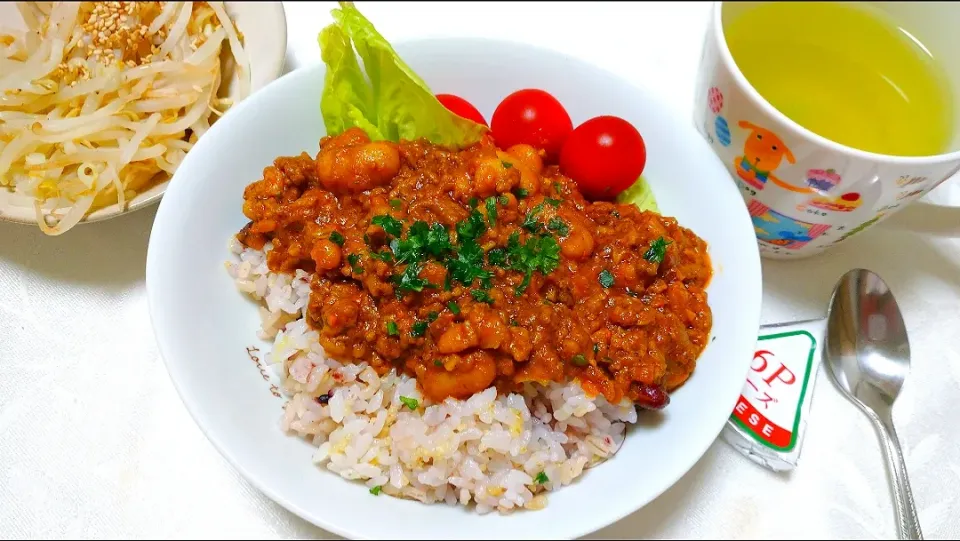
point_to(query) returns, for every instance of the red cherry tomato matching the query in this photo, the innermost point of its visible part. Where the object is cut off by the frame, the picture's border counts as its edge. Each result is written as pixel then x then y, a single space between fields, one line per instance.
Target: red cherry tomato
pixel 461 107
pixel 531 117
pixel 604 156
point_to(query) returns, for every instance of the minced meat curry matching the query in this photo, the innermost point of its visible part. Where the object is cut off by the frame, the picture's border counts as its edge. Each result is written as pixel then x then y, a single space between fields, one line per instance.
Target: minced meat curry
pixel 477 267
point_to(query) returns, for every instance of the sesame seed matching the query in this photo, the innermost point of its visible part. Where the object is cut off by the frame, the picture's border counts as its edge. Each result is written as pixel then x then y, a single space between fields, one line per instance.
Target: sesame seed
pixel 112 33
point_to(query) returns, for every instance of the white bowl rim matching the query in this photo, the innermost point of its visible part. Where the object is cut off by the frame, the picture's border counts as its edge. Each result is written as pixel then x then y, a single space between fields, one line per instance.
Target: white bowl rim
pixel 155 192
pixel 750 272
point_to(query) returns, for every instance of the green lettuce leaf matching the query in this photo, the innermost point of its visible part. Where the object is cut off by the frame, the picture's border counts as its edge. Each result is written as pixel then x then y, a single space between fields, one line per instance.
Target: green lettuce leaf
pixel 640 195
pixel 347 100
pixel 385 98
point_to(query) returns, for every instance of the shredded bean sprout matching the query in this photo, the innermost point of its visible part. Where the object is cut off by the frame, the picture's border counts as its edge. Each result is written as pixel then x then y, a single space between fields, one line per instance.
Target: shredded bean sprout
pixel 98 100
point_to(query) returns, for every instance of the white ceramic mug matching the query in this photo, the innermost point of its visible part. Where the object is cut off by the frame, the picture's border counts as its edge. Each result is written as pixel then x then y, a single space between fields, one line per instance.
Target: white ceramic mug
pixel 805 192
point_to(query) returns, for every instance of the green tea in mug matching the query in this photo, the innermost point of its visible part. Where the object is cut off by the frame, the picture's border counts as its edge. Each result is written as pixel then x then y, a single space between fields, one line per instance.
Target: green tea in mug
pixel 846 72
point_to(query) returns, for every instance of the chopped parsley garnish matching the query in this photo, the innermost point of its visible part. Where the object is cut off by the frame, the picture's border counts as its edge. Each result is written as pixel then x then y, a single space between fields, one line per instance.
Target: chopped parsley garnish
pixel 396 204
pixel 376 490
pixel 481 295
pixel 491 204
pixel 497 257
pixel 530 222
pixel 354 261
pixel 558 226
pixel 596 348
pixel 471 228
pixel 389 224
pixel 384 256
pixel 657 250
pixel 409 249
pixel 514 323
pixel 579 360
pixel 366 239
pixel 541 478
pixel 524 284
pixel 540 253
pixel 438 363
pixel 337 238
pixel 521 193
pixel 409 280
pixel 557 187
pixel 468 265
pixel 411 245
pixel 422 240
pixel 432 316
pixel 438 240
pixel 419 329
pixel 392 329
pixel 411 403
pixel 606 278
pixel 506 165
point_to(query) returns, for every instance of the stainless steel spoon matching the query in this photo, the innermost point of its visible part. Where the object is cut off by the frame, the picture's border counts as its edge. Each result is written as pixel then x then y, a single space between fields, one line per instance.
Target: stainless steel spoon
pixel 868 353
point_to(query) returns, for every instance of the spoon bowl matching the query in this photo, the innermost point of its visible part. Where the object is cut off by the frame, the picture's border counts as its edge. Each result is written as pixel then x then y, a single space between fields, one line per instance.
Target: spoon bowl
pixel 868 353
pixel 867 341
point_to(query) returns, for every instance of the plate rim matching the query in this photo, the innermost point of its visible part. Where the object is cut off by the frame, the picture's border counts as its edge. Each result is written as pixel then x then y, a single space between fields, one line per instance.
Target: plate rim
pixel 749 270
pixel 151 196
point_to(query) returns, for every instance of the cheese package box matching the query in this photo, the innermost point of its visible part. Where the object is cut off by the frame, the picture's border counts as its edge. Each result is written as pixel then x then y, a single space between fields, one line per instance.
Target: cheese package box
pixel 769 421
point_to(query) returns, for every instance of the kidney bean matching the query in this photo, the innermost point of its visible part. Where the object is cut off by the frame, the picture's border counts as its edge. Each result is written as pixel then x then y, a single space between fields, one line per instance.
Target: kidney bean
pixel 651 397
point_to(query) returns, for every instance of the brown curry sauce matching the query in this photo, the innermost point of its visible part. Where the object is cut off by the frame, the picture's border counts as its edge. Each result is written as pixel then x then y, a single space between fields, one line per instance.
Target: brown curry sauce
pixel 608 311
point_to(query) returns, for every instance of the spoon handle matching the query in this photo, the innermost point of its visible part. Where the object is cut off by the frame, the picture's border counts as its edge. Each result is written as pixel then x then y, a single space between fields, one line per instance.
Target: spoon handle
pixel 908 524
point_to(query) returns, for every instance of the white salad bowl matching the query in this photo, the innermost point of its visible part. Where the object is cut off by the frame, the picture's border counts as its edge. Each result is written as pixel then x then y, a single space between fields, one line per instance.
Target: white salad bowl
pixel 264 29
pixel 204 326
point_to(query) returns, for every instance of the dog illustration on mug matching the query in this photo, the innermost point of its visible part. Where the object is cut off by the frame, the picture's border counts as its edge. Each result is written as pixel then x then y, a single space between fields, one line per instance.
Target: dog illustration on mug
pixel 763 152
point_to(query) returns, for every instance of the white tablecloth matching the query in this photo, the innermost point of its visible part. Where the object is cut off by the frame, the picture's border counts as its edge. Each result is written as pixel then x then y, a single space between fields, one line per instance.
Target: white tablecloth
pixel 94 441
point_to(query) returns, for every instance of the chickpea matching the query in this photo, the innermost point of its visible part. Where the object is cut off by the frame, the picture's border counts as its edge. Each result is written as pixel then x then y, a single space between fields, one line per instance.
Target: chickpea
pixel 264 226
pixel 457 338
pixel 472 374
pixel 487 175
pixel 491 330
pixel 250 209
pixel 520 345
pixel 326 255
pixel 379 161
pixel 357 168
pixel 578 245
pixel 527 156
pixel 339 316
pixel 529 162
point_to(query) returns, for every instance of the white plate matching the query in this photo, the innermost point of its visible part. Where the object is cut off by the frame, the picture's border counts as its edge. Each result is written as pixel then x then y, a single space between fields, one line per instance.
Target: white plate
pixel 203 325
pixel 264 29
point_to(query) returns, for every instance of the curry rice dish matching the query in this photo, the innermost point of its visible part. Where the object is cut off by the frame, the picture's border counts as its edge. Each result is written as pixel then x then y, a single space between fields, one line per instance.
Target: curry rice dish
pixel 463 326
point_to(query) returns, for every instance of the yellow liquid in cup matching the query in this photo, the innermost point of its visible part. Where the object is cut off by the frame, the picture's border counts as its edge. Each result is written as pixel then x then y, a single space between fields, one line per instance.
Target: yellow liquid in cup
pixel 845 72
